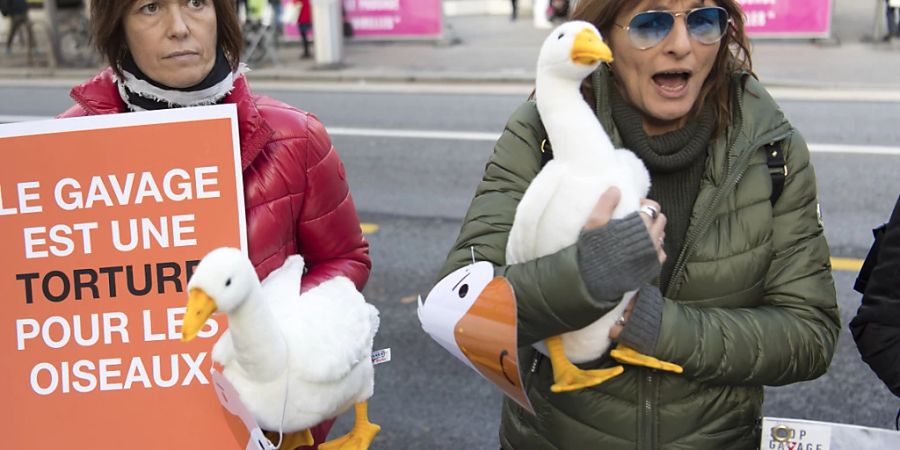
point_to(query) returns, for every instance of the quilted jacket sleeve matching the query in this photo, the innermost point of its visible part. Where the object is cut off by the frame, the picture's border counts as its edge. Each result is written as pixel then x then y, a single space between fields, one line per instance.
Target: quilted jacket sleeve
pixel 792 335
pixel 73 111
pixel 876 327
pixel 330 238
pixel 550 294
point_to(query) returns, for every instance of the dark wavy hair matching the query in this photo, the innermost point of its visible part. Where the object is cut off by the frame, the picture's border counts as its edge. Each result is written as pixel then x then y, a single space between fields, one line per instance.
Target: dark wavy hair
pixel 108 33
pixel 733 55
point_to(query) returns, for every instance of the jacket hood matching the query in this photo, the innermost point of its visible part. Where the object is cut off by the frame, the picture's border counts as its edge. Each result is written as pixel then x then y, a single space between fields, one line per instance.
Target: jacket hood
pixel 99 95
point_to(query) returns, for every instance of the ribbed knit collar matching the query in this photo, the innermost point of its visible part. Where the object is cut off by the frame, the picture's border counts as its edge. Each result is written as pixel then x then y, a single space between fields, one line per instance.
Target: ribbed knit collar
pixel 666 153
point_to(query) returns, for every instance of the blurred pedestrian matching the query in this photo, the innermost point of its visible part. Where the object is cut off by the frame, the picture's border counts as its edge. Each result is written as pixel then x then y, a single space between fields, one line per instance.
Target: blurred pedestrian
pixel 559 10
pixel 18 17
pixel 876 327
pixel 515 10
pixel 173 53
pixel 540 13
pixel 746 298
pixel 892 13
pixel 304 24
pixel 240 7
pixel 276 15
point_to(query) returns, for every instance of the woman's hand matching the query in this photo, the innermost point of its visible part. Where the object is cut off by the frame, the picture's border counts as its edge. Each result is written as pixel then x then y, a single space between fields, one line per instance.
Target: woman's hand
pixel 655 222
pixel 603 211
pixel 656 225
pixel 626 316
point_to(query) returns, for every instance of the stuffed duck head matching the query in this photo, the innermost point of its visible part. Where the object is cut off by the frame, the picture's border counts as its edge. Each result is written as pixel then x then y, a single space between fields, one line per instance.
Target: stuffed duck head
pixel 573 51
pixel 223 281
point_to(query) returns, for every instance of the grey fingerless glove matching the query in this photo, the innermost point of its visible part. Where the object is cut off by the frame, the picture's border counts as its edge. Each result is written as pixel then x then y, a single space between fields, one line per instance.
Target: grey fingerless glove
pixel 616 258
pixel 641 332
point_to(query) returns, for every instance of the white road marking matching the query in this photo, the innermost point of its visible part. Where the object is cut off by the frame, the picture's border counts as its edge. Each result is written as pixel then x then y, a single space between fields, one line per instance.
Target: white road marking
pixel 827 94
pixel 442 135
pixel 10 119
pixel 414 134
pixel 849 149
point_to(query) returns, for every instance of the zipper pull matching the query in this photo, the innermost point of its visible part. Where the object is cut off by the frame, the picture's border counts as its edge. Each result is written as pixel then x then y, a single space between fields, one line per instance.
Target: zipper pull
pixel 536 361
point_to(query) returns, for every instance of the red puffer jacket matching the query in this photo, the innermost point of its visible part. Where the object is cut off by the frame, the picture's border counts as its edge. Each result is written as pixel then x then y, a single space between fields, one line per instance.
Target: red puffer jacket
pixel 295 187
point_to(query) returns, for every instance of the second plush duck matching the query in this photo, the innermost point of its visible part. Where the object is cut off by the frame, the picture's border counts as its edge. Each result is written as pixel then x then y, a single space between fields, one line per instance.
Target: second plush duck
pixel 295 359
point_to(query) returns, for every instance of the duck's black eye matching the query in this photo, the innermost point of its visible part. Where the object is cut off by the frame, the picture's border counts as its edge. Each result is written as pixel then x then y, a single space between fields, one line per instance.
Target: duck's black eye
pixel 463 290
pixel 228 282
pixel 560 36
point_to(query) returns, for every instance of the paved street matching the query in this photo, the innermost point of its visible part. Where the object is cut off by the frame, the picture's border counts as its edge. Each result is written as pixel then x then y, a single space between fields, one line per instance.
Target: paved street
pixel 416 190
pixel 414 153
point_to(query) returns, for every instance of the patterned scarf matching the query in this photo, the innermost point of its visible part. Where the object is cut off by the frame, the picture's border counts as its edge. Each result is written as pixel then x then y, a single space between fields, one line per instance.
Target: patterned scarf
pixel 141 93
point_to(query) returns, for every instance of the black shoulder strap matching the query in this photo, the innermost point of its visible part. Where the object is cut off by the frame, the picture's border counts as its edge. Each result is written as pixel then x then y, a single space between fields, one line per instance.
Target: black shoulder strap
pixel 777 169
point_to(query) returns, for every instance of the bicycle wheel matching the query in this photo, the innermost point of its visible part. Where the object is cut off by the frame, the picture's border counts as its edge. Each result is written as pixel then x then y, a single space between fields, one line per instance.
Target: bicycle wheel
pixel 75 49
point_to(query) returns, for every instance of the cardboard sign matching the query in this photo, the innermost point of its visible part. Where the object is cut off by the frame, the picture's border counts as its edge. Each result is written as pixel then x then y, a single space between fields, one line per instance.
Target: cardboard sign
pixel 795 434
pixel 231 401
pixel 472 314
pixel 102 221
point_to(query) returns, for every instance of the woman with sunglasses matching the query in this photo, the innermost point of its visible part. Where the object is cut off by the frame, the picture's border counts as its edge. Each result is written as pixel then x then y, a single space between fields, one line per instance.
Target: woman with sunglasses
pixel 745 296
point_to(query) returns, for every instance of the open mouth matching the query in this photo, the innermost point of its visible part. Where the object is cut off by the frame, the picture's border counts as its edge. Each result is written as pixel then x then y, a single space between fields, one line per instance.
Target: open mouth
pixel 672 80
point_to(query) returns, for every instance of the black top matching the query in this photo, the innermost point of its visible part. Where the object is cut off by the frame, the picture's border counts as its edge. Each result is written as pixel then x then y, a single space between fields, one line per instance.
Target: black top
pixel 876 327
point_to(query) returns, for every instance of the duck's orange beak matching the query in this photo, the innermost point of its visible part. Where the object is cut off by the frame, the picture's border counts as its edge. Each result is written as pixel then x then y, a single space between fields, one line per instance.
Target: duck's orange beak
pixel 589 48
pixel 199 307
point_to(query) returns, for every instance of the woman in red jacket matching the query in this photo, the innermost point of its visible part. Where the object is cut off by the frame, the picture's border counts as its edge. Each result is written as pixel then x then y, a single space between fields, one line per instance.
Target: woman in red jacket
pixel 176 53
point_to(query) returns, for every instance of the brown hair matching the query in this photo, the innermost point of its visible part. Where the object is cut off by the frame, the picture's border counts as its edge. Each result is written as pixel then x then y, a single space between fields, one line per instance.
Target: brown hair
pixel 108 33
pixel 733 55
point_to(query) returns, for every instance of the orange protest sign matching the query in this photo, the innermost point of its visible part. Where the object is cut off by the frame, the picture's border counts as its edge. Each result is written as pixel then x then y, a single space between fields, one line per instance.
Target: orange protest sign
pixel 102 221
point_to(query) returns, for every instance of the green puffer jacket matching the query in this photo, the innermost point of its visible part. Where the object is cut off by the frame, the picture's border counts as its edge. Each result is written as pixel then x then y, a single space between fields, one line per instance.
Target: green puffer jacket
pixel 751 301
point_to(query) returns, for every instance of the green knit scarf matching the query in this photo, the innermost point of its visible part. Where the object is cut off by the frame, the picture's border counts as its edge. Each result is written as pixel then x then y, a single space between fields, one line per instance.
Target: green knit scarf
pixel 675 161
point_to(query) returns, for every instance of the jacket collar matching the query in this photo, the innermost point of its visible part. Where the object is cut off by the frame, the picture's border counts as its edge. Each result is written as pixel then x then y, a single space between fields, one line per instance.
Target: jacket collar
pixel 756 120
pixel 99 95
pixel 253 129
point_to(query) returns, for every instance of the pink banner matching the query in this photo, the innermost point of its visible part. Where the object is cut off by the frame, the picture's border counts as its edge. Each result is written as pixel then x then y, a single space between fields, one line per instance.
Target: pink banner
pixel 394 18
pixel 385 19
pixel 788 18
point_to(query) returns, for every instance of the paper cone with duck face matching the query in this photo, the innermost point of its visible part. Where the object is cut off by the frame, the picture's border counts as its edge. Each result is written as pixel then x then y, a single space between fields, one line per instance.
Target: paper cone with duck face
pixel 472 314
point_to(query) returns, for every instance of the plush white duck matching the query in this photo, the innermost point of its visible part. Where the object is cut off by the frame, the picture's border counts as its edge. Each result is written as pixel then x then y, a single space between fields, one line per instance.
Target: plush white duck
pixel 315 348
pixel 558 201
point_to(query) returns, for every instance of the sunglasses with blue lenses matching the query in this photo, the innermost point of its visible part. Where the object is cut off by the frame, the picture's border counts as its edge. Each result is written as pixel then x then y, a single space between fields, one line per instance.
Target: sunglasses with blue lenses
pixel 707 25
